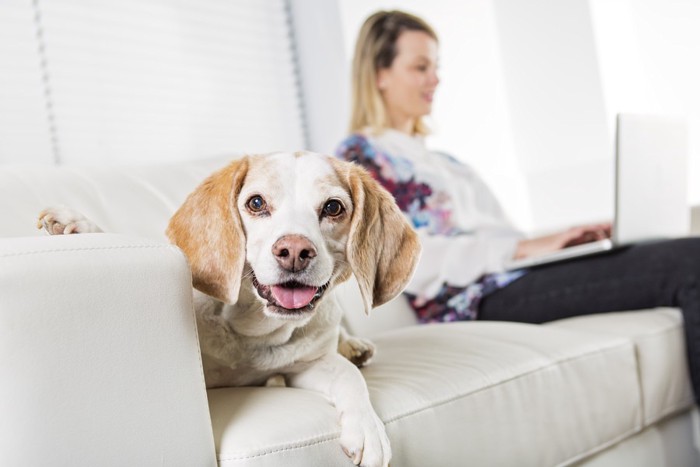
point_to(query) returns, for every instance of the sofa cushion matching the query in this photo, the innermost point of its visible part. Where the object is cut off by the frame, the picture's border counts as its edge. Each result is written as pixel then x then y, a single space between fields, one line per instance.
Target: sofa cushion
pixel 274 427
pixel 483 391
pixel 126 200
pixel 660 345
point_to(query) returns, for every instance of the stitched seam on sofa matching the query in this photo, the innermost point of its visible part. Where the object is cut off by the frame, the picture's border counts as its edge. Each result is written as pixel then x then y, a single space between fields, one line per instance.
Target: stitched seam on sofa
pixel 640 385
pixel 598 352
pixel 678 408
pixel 666 330
pixel 617 440
pixel 636 340
pixel 646 335
pixel 645 423
pixel 96 248
pixel 601 447
pixel 299 445
pixel 640 338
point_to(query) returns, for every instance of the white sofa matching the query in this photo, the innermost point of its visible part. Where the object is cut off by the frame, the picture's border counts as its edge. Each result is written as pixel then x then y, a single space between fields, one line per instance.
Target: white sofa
pixel 99 363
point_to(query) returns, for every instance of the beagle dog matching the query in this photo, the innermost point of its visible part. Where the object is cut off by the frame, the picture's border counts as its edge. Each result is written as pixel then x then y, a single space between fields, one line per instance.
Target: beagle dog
pixel 268 238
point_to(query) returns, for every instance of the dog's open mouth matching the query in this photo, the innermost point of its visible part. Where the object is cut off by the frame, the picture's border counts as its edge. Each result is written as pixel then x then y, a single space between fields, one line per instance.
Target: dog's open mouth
pixel 290 297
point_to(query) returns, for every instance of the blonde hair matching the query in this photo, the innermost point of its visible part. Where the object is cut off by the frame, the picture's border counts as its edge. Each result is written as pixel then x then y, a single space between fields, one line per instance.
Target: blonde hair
pixel 375 50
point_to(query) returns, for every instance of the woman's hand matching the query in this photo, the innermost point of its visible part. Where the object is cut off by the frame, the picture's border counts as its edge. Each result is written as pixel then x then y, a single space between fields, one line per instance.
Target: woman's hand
pixel 557 241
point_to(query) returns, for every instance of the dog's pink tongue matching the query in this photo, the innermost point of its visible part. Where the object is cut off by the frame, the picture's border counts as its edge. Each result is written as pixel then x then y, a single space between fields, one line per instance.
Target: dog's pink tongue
pixel 293 298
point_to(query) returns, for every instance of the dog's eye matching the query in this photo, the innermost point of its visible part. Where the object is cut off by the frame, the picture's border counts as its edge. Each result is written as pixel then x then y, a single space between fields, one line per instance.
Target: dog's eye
pixel 256 204
pixel 333 208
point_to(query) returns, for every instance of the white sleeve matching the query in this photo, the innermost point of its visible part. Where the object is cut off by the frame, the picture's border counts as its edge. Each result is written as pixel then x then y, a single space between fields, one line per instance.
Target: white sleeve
pixel 461 259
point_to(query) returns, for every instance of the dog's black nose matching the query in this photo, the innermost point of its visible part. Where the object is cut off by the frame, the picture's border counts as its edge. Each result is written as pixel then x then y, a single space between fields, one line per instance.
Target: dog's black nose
pixel 294 252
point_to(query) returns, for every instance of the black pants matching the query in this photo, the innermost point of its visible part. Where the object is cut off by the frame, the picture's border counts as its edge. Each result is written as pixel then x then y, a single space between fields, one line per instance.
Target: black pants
pixel 642 276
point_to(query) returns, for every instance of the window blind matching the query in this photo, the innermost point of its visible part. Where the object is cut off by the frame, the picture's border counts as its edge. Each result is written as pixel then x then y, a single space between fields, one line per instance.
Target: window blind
pixel 24 124
pixel 133 81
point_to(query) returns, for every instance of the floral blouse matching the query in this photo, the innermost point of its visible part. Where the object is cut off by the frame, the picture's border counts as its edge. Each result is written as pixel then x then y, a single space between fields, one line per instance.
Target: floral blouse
pixel 465 236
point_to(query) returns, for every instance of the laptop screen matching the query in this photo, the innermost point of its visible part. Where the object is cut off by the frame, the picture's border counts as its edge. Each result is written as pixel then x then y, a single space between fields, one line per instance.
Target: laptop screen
pixel 651 178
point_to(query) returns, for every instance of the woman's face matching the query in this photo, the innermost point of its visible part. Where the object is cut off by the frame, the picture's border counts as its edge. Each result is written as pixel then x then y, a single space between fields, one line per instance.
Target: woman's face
pixel 408 85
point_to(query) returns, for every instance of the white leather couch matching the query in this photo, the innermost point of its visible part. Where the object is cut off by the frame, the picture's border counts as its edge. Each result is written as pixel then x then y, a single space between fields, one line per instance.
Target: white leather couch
pixel 99 363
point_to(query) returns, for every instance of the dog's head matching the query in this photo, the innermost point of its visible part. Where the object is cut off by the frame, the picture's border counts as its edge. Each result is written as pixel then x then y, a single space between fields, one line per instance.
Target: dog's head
pixel 295 224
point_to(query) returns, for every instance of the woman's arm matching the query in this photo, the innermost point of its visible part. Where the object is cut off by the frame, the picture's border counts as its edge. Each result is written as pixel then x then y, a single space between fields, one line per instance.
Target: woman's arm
pixel 557 241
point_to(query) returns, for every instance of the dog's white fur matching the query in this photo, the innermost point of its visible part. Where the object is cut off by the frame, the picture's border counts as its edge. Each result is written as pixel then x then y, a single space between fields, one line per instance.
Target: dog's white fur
pixel 249 339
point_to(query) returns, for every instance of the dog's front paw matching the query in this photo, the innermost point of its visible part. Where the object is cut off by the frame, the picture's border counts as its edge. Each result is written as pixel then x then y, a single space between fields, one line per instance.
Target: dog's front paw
pixel 276 381
pixel 62 220
pixel 364 439
pixel 356 349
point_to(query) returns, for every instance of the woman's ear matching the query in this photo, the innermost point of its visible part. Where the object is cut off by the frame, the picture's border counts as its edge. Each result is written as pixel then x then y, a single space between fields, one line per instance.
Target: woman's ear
pixel 208 229
pixel 383 249
pixel 381 79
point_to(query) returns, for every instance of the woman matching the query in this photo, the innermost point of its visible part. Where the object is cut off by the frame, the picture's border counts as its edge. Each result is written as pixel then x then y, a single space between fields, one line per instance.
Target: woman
pixel 466 237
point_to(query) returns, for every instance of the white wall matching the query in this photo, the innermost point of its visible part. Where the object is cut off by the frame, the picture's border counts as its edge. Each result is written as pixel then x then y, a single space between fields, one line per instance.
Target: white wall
pixel 649 56
pixel 557 110
pixel 530 89
pixel 325 78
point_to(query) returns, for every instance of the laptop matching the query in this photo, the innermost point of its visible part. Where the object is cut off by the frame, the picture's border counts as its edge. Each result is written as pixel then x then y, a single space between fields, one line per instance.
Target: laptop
pixel 650 188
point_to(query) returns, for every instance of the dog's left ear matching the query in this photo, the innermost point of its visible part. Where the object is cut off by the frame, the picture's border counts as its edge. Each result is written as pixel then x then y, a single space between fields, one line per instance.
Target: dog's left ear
pixel 383 249
pixel 208 229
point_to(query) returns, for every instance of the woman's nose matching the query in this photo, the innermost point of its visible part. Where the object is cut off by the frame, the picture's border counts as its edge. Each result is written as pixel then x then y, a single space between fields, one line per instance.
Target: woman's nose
pixel 434 78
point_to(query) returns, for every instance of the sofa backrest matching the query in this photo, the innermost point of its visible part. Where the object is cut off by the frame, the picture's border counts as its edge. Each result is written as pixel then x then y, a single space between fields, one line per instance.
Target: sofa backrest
pixel 128 200
pixel 139 201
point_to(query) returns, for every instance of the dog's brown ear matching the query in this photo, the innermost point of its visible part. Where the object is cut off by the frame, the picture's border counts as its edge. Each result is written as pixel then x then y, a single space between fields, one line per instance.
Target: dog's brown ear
pixel 208 229
pixel 383 249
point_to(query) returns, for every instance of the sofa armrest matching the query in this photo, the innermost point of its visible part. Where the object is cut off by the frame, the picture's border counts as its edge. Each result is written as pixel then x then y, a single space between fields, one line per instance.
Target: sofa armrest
pixel 99 358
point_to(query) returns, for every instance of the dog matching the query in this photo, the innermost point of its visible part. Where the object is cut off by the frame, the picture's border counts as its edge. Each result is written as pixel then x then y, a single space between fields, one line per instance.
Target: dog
pixel 268 238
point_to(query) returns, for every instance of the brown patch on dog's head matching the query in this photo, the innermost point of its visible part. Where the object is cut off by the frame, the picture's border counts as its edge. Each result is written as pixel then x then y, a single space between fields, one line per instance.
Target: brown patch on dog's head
pixel 382 249
pixel 208 229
